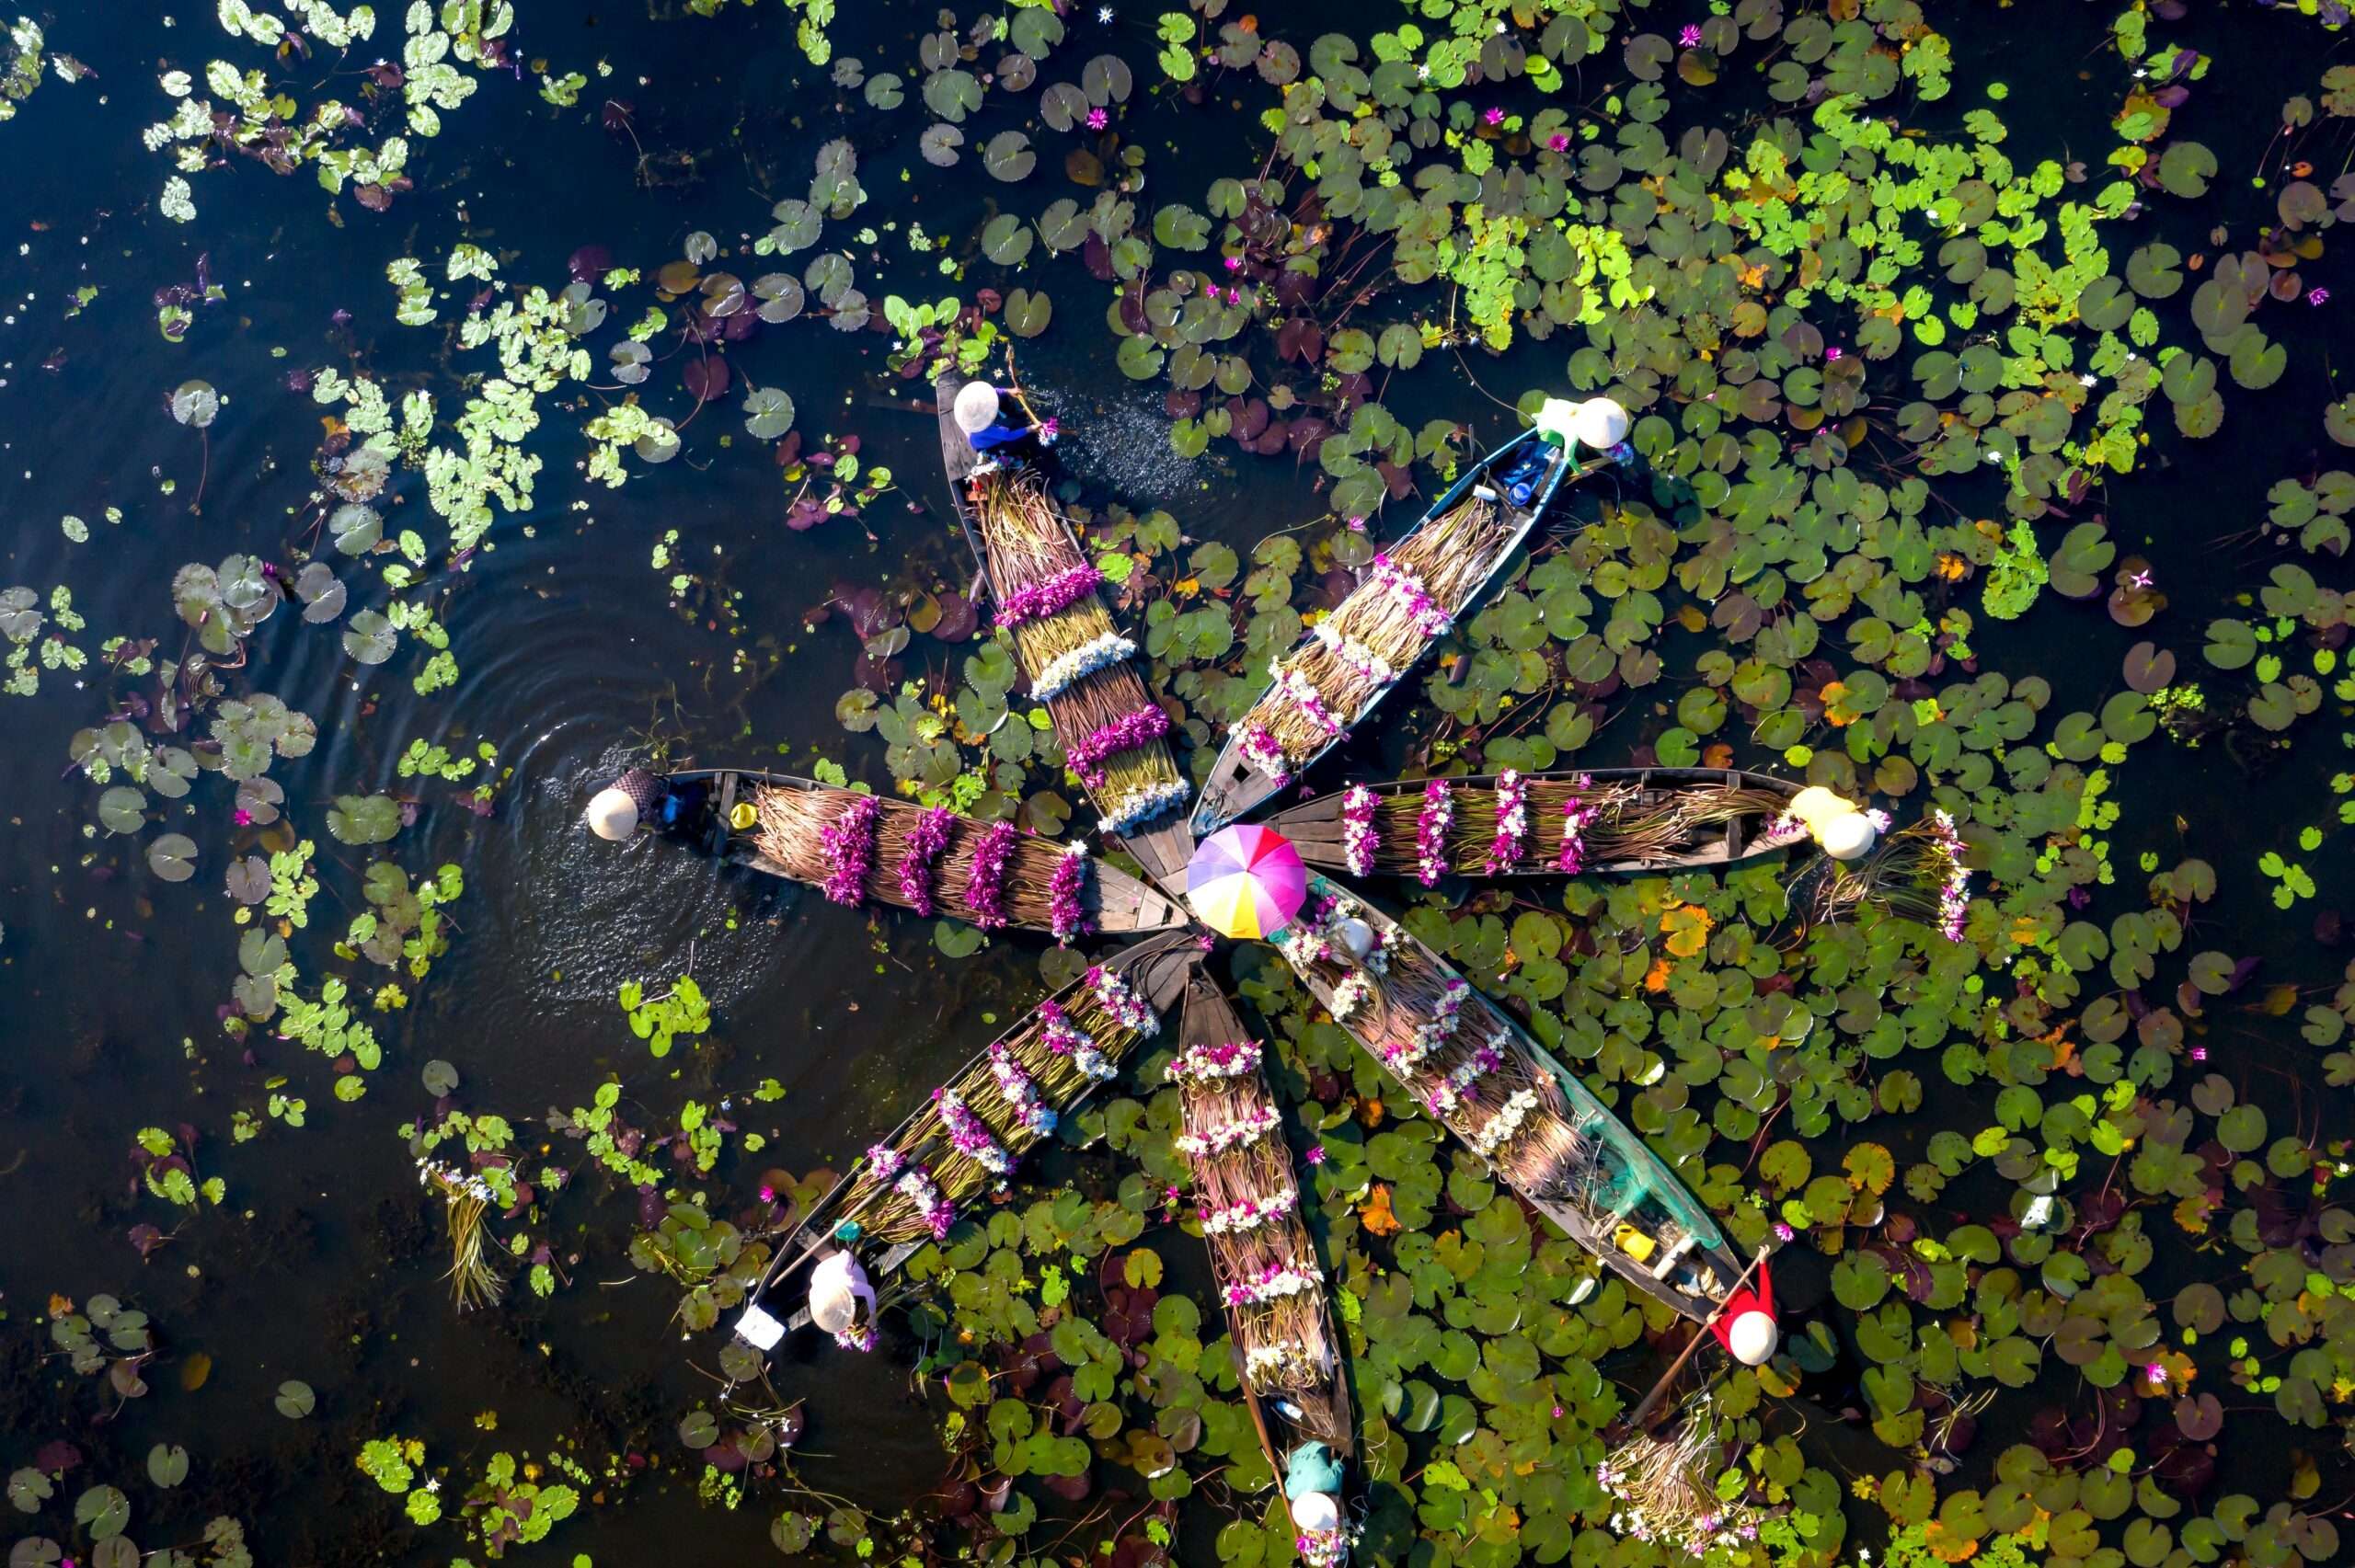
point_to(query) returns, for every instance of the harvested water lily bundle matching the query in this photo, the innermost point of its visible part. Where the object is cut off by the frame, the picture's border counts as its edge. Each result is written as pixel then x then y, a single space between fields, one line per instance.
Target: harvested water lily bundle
pixel 1409 601
pixel 1277 1312
pixel 1917 873
pixel 1444 1043
pixel 1111 729
pixel 474 1280
pixel 1664 1490
pixel 857 847
pixel 975 1129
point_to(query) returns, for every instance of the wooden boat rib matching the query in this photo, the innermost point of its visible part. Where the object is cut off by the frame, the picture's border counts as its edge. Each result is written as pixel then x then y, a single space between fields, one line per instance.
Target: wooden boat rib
pixel 1630 819
pixel 1290 1363
pixel 868 1212
pixel 1024 542
pixel 1342 669
pixel 793 812
pixel 1535 1125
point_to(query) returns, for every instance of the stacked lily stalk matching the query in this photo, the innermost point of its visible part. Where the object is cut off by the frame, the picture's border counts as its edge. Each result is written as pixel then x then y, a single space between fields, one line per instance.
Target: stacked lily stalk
pixel 1113 733
pixel 1409 601
pixel 1918 874
pixel 1250 1214
pixel 975 1129
pixel 1443 1043
pixel 859 848
pixel 1531 824
pixel 1662 1491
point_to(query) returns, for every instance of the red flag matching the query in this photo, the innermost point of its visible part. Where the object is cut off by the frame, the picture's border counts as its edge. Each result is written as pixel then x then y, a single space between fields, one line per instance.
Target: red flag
pixel 1756 1296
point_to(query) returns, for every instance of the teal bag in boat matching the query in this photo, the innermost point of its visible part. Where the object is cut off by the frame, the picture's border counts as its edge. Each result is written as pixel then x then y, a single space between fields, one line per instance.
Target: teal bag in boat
pixel 1312 1468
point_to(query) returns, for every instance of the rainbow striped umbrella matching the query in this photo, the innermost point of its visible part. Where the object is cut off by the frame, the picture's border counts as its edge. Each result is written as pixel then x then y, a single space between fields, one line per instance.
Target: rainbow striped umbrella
pixel 1245 881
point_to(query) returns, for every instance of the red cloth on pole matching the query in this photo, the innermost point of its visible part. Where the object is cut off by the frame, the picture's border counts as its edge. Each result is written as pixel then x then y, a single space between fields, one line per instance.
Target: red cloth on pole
pixel 1756 1296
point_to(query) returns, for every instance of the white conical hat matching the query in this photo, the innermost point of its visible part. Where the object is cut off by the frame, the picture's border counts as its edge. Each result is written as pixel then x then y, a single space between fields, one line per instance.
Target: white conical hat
pixel 1755 1338
pixel 612 815
pixel 1316 1511
pixel 1600 423
pixel 836 1287
pixel 976 406
pixel 1356 935
pixel 1847 837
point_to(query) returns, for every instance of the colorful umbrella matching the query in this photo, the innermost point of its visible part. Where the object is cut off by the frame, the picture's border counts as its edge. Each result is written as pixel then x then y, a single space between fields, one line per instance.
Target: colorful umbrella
pixel 1245 881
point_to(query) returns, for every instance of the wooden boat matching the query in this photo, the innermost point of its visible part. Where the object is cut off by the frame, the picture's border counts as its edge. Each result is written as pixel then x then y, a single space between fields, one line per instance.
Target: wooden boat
pixel 1113 901
pixel 1291 1362
pixel 1567 1155
pixel 1630 819
pixel 858 1212
pixel 1348 662
pixel 1082 705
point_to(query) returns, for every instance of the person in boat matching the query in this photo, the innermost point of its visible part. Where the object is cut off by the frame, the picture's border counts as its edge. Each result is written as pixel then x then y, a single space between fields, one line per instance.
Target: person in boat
pixel 1313 1476
pixel 642 799
pixel 1000 435
pixel 841 1300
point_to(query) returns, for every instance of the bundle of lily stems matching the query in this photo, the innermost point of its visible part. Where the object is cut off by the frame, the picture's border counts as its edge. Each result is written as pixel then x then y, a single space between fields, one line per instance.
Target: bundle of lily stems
pixel 1002 1104
pixel 1077 662
pixel 1448 1047
pixel 1663 1489
pixel 927 866
pixel 1408 601
pixel 1917 874
pixel 1259 1247
pixel 1616 823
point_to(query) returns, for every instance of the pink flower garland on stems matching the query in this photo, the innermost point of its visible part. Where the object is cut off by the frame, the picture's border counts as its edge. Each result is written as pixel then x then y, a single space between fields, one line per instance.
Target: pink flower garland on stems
pixel 985 885
pixel 969 1135
pixel 1578 815
pixel 1087 754
pixel 1264 755
pixel 1427 616
pixel 1513 822
pixel 849 841
pixel 1066 913
pixel 927 841
pixel 1430 832
pixel 1041 600
pixel 1360 837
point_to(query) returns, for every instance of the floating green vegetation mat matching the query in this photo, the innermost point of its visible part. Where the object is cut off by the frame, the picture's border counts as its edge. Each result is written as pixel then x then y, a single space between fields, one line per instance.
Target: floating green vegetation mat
pixel 1986 463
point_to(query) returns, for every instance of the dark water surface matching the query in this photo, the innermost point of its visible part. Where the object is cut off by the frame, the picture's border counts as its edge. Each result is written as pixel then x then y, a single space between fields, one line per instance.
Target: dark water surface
pixel 323 1264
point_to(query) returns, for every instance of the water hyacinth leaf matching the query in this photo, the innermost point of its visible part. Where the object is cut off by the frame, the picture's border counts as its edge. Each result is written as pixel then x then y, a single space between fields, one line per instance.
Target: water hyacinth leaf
pixel 1008 157
pixel 122 810
pixel 768 413
pixel 294 1400
pixel 369 638
pixel 364 819
pixel 172 857
pixel 356 528
pixel 195 404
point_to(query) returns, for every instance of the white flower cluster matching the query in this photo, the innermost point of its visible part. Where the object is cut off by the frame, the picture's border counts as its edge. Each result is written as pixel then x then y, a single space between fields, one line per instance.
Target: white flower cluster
pixel 1112 994
pixel 455 1184
pixel 1351 654
pixel 1288 1280
pixel 1249 1214
pixel 1232 1059
pixel 1065 669
pixel 1350 996
pixel 1359 835
pixel 1501 1127
pixel 1440 1029
pixel 1144 805
pixel 1280 1356
pixel 1255 1125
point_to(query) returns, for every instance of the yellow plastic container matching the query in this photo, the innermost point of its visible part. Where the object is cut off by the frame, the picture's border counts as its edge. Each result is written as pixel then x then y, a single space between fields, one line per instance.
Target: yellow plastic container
pixel 1634 1242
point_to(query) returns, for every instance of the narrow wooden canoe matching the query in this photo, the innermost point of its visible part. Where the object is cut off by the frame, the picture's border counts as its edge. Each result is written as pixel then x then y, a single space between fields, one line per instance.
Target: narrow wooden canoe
pixel 1117 903
pixel 1297 1387
pixel 1327 656
pixel 1155 969
pixel 1162 847
pixel 1578 1165
pixel 1644 819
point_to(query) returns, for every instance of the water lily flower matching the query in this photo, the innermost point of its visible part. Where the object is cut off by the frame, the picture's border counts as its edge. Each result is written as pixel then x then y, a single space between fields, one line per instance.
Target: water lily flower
pixel 1560 141
pixel 244 817
pixel 1235 264
pixel 2200 1053
pixel 1833 352
pixel 2138 579
pixel 1104 14
pixel 1098 119
pixel 1784 1232
pixel 1316 1155
pixel 2317 296
pixel 1494 117
pixel 1691 37
pixel 768 1193
pixel 2154 1374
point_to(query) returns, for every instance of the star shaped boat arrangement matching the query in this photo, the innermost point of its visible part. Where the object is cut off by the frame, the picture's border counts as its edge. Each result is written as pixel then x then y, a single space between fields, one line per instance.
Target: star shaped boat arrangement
pixel 1456 1054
